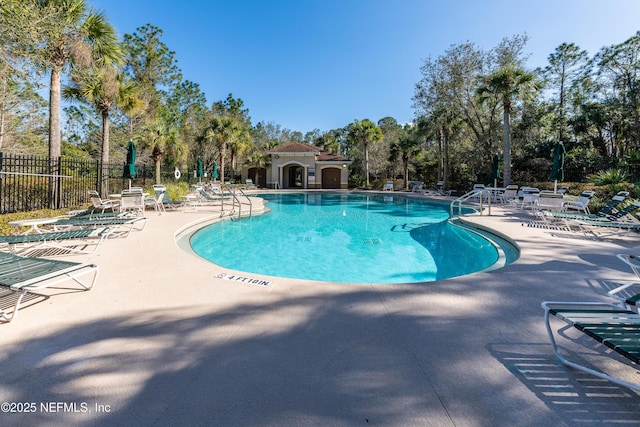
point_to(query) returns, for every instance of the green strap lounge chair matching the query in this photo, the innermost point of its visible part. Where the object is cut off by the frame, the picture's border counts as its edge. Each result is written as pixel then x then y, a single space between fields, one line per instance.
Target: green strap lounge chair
pixel 164 200
pixel 23 274
pixel 609 324
pixel 208 197
pixel 603 213
pixel 116 224
pixel 624 211
pixel 614 224
pixel 605 228
pixel 81 239
pixel 628 294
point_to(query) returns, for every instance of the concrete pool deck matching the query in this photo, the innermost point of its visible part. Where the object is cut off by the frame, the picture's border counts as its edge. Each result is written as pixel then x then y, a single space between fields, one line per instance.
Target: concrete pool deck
pixel 161 340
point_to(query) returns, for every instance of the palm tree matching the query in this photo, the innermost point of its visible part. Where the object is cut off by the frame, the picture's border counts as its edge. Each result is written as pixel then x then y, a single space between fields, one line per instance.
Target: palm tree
pixel 364 132
pixel 239 146
pixel 61 34
pixel 76 36
pixel 105 88
pixel 405 147
pixel 508 83
pixel 329 141
pixel 163 141
pixel 225 130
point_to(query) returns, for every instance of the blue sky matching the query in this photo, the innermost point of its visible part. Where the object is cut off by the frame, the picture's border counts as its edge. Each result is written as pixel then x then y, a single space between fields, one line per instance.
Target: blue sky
pixel 322 64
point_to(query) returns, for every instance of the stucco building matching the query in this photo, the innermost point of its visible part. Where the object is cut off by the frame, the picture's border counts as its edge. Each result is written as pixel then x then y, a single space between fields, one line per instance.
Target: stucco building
pixel 298 165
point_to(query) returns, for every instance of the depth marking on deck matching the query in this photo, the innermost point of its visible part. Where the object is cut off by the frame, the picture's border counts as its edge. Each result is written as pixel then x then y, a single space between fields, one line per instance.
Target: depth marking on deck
pixel 235 278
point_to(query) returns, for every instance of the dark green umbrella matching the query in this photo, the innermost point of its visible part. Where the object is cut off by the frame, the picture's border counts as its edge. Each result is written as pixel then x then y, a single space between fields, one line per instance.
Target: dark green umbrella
pixel 200 168
pixel 214 174
pixel 130 167
pixel 495 170
pixel 557 169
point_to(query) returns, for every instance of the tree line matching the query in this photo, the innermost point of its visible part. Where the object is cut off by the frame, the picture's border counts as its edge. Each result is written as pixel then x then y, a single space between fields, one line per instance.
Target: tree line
pixel 471 104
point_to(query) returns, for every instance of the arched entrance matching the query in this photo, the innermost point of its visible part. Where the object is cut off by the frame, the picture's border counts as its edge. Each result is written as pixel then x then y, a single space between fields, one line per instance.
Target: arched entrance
pixel 331 178
pixel 293 176
pixel 258 176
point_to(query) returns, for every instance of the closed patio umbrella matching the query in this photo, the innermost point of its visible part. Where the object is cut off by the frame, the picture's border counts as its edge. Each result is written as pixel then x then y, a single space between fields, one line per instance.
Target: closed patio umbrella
pixel 214 173
pixel 495 170
pixel 130 167
pixel 200 168
pixel 557 169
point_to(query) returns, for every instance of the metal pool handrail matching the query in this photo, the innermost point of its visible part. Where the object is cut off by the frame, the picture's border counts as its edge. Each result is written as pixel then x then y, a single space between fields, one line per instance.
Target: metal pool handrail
pixel 479 193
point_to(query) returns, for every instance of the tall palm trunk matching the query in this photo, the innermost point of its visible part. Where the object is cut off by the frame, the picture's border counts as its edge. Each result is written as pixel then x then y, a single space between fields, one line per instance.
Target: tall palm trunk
pixel 54 134
pixel 223 155
pixel 104 188
pixel 445 157
pixel 3 111
pixel 2 120
pixel 440 153
pixel 405 169
pixel 54 113
pixel 506 141
pixel 366 161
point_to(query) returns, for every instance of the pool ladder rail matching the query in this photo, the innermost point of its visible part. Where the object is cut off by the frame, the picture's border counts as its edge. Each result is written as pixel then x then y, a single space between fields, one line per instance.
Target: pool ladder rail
pixel 245 204
pixel 236 202
pixel 237 198
pixel 476 199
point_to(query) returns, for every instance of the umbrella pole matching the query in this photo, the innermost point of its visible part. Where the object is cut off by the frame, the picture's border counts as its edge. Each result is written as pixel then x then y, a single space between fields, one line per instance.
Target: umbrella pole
pixel 555 186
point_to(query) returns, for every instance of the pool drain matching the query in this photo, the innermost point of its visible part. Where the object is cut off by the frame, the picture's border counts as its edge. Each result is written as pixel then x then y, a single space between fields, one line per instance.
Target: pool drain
pixel 372 241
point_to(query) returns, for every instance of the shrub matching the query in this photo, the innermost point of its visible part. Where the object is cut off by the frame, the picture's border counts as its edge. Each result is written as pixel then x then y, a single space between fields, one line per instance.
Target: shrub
pixel 607 177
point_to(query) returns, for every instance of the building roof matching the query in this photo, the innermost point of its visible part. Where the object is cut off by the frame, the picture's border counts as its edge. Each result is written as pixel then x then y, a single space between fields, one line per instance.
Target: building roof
pixel 325 156
pixel 300 148
pixel 296 147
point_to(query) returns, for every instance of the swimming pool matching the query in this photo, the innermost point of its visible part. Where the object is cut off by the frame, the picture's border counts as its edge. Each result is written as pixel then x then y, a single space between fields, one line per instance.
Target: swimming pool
pixel 349 238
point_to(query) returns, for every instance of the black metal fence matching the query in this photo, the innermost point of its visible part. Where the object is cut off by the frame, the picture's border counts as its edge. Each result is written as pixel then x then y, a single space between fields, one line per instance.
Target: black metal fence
pixel 36 182
pixel 31 182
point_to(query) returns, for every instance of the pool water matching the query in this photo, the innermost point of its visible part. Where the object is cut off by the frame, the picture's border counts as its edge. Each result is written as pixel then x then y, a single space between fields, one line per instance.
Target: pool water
pixel 350 238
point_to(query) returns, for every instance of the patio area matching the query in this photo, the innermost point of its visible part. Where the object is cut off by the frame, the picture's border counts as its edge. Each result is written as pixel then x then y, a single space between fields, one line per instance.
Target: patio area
pixel 164 339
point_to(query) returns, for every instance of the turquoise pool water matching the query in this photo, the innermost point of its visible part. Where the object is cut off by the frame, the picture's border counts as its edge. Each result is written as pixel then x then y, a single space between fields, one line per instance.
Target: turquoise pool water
pixel 350 238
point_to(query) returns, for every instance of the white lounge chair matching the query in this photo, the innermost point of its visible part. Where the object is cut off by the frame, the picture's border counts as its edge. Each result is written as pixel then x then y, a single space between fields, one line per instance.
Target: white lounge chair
pixel 548 200
pixel 388 186
pixel 510 193
pixel 527 197
pixel 440 190
pixel 581 204
pixel 100 204
pixel 480 192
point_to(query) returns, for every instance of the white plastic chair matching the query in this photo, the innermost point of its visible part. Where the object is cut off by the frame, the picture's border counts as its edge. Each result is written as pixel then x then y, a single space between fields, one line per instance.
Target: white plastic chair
pixel 132 201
